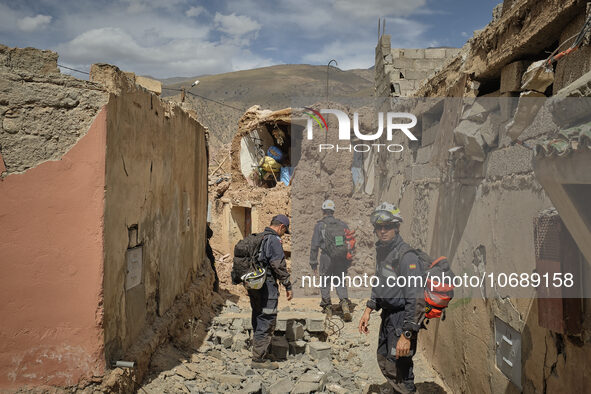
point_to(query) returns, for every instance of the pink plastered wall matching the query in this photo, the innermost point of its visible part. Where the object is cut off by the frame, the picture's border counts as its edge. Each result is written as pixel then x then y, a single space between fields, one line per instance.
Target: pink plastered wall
pixel 51 267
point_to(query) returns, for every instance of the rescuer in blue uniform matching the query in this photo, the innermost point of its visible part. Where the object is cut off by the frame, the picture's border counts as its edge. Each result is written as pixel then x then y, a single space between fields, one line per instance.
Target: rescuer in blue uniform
pixel 397 341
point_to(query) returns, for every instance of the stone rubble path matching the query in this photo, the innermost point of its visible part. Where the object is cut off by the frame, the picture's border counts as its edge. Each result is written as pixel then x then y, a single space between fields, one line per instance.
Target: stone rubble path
pixel 339 360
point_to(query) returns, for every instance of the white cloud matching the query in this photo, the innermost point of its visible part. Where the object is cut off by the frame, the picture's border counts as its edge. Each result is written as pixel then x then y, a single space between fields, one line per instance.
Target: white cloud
pixel 235 25
pixel 139 6
pixel 186 56
pixel 373 9
pixel 359 52
pixel 32 23
pixel 194 11
pixel 189 37
pixel 349 54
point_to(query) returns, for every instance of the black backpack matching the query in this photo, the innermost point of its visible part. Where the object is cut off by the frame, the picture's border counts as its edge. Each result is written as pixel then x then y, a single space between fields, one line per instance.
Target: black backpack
pixel 333 232
pixel 246 256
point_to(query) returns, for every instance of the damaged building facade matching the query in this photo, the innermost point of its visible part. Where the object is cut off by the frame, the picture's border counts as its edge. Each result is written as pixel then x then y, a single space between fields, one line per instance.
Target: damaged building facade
pixel 259 184
pixel 480 187
pixel 103 200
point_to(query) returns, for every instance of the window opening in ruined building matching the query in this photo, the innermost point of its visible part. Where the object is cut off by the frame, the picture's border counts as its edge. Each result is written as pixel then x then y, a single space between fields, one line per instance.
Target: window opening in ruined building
pixel 266 158
pixel 489 87
pixel 401 76
pixel 241 223
pixel 394 88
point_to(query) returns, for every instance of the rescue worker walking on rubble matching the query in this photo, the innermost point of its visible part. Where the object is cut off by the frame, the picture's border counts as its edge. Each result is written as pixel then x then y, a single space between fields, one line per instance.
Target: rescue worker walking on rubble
pixel 264 300
pixel 329 236
pixel 400 306
pixel 211 257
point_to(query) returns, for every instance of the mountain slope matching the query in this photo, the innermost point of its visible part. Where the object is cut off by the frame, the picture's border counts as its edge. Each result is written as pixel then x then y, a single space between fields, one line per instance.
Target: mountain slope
pixel 272 87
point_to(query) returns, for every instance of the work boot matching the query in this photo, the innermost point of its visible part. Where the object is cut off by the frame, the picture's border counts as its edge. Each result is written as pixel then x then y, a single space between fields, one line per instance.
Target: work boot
pixel 346 311
pixel 263 364
pixel 327 309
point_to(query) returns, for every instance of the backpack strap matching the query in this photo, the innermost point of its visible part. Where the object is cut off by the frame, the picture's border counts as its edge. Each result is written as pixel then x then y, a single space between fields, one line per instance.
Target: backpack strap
pixel 400 252
pixel 437 260
pixel 323 229
pixel 261 252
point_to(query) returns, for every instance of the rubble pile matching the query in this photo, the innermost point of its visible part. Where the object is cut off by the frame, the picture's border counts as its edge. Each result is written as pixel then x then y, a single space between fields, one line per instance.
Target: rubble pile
pixel 313 353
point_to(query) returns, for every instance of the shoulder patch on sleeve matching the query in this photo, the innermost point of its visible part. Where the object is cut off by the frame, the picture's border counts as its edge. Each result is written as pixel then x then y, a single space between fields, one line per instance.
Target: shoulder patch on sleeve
pixel 412 266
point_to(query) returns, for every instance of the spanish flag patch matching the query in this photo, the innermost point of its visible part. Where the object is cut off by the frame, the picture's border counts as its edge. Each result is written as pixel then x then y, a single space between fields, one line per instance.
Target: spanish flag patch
pixel 412 266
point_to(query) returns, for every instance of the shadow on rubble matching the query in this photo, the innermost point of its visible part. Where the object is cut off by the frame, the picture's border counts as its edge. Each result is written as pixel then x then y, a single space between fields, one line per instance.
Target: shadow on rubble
pixel 430 388
pixel 186 338
pixel 423 388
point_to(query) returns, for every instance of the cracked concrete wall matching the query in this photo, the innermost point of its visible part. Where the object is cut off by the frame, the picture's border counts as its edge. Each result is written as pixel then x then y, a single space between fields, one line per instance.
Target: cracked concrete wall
pixel 42 113
pixel 156 201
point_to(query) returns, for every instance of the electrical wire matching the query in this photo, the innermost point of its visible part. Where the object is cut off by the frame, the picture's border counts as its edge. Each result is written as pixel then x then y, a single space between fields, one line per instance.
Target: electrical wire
pixel 73 69
pixel 206 98
pixel 178 90
pixel 580 37
pixel 336 325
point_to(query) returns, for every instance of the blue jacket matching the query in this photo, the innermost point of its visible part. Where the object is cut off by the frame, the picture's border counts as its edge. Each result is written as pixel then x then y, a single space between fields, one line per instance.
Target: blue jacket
pixel 389 297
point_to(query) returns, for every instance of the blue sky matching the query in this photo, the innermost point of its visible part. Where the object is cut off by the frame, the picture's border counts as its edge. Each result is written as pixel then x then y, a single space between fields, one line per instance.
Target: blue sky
pixel 167 38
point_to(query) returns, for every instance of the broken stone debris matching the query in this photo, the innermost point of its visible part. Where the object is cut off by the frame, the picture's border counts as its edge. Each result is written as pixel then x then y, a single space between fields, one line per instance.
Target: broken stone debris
pixel 468 136
pixel 216 367
pixel 529 105
pixel 295 331
pixel 511 76
pixel 279 347
pixel 318 350
pixel 537 77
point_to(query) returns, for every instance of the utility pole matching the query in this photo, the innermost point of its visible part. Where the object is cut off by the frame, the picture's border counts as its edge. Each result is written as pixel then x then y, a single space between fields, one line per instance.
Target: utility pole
pixel 327 69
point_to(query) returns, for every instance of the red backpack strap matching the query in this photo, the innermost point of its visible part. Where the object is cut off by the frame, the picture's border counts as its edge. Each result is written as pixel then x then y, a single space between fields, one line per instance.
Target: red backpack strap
pixel 437 261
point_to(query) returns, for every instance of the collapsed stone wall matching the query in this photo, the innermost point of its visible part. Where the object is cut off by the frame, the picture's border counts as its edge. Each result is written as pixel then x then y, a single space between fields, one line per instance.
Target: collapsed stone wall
pixel 316 177
pixel 156 206
pixel 42 113
pixel 52 160
pixel 328 175
pixel 103 201
pixel 471 194
pixel 400 71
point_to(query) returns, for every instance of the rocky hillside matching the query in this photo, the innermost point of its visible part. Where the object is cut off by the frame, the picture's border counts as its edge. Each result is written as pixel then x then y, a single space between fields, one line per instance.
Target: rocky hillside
pixel 272 87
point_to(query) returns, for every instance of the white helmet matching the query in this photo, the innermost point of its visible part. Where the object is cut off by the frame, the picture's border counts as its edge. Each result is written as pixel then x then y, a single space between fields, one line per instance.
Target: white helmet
pixel 328 205
pixel 254 279
pixel 385 213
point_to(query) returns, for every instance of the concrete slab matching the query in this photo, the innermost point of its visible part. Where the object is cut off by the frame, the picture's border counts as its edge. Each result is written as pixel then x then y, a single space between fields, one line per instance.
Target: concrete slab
pixel 511 76
pixel 429 135
pixel 297 347
pixel 414 53
pixel 315 323
pixel 435 53
pixel 295 331
pixel 424 154
pixel 319 350
pixel 279 348
pixel 511 160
